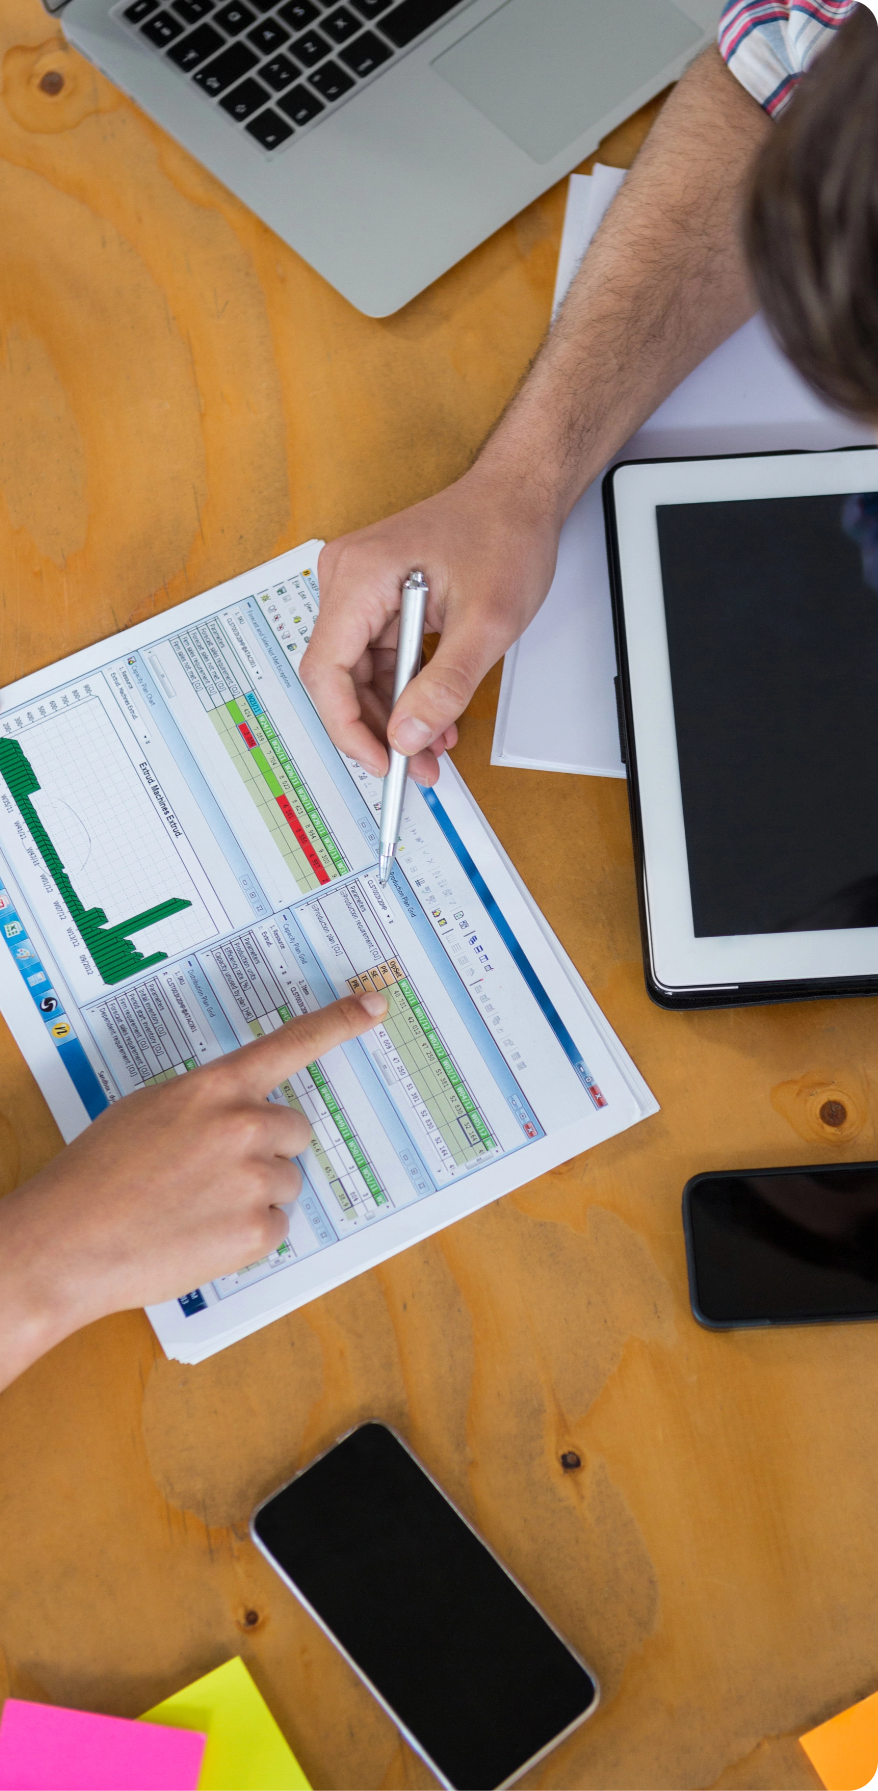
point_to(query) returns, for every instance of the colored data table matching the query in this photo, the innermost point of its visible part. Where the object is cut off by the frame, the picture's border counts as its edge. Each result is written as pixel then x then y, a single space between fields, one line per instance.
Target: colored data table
pixel 181 399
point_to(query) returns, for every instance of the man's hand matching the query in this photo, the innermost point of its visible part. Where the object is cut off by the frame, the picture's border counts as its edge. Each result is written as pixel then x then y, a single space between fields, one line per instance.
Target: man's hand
pixel 487 550
pixel 168 1188
pixel 663 282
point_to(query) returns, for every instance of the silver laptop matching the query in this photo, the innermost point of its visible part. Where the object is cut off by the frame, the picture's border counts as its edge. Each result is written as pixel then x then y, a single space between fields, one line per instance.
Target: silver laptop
pixel 384 139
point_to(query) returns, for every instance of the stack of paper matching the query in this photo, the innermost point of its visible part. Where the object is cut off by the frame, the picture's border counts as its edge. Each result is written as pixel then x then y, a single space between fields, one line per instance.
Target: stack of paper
pixel 216 1735
pixel 557 708
pixel 46 1749
pixel 245 1749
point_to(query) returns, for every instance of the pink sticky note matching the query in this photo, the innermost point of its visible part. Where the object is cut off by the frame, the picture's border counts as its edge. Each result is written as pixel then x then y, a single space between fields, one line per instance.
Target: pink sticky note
pixel 46 1749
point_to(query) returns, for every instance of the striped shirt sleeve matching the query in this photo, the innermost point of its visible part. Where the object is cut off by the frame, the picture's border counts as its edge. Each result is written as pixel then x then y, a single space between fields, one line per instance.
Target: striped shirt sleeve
pixel 768 44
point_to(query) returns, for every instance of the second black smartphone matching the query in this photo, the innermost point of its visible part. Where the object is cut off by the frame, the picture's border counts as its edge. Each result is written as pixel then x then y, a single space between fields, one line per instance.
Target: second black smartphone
pixel 783 1246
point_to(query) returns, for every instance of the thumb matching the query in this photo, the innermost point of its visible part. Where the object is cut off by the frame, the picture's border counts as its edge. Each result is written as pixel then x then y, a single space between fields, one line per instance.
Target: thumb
pixel 439 694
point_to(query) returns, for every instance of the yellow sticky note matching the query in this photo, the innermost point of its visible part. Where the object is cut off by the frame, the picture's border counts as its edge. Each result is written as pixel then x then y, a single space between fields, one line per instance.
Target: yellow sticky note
pixel 245 1749
pixel 844 1751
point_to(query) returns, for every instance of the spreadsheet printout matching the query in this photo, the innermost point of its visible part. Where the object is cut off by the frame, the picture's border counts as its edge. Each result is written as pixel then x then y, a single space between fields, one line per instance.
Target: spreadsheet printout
pixel 187 862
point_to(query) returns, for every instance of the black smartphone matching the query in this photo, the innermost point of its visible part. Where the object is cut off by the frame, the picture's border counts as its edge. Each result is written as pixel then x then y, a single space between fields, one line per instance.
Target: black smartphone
pixel 477 1679
pixel 783 1246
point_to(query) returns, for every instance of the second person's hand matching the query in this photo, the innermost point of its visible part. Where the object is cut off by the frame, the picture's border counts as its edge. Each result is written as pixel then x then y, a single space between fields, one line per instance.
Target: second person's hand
pixel 487 549
pixel 664 281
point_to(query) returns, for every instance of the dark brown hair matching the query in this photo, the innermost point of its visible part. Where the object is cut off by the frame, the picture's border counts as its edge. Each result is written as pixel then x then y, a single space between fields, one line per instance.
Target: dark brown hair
pixel 811 226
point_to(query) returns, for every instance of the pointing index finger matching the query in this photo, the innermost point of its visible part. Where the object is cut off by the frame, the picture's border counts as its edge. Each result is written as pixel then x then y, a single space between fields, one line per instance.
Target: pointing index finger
pixel 268 1061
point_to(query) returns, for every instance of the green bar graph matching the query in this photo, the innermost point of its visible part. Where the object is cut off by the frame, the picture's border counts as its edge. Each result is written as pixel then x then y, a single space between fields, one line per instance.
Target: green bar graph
pixel 114 955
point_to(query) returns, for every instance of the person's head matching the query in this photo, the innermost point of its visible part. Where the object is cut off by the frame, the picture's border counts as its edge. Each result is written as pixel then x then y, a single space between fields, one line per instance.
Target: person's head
pixel 811 226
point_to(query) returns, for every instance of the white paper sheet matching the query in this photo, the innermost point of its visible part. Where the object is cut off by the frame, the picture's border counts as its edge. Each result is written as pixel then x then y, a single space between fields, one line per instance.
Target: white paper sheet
pixel 557 709
pixel 187 863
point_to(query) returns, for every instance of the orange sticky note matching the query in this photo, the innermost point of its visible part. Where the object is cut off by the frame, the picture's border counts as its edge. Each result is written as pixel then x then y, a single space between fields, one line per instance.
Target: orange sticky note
pixel 844 1751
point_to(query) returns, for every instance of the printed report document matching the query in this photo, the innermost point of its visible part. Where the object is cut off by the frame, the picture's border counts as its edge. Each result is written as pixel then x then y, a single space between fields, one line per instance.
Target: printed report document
pixel 187 862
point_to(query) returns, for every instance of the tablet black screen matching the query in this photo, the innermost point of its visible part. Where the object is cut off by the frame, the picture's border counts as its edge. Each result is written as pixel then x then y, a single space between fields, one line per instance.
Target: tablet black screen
pixel 772 616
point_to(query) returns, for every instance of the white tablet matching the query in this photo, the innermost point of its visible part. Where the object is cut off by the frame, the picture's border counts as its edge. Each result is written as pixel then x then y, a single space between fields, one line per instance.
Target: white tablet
pixel 745 594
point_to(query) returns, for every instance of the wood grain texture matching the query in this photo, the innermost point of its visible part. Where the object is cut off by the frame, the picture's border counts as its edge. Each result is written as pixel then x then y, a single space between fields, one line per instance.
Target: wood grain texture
pixel 180 397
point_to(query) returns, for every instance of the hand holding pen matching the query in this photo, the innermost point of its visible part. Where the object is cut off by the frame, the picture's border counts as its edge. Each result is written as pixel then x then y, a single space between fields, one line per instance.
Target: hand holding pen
pixel 409 646
pixel 465 540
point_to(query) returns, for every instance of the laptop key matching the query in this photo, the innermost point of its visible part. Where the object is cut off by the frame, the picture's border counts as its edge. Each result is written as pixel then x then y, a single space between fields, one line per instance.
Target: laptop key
pixel 311 48
pixel 193 10
pixel 331 81
pixel 232 65
pixel 141 9
pixel 298 13
pixel 162 29
pixel 269 130
pixel 407 21
pixel 268 35
pixel 191 51
pixel 279 72
pixel 300 105
pixel 369 9
pixel 235 18
pixel 366 54
pixel 341 25
pixel 243 101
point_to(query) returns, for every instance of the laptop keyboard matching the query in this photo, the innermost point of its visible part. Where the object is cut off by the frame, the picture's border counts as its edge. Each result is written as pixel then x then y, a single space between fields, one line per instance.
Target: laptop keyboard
pixel 275 67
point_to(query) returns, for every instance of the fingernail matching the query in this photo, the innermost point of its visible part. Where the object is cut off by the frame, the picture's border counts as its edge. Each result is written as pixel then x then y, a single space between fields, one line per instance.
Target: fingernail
pixel 376 1005
pixel 410 735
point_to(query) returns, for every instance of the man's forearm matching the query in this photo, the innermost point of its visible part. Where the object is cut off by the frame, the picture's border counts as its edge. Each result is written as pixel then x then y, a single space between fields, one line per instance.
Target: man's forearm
pixel 664 282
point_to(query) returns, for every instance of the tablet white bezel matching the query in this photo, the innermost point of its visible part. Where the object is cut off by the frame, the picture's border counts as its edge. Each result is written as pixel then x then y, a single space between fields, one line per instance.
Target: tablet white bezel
pixel 680 961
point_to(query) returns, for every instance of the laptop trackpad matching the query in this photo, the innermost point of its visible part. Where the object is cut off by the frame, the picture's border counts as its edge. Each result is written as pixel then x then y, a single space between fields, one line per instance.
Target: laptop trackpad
pixel 543 74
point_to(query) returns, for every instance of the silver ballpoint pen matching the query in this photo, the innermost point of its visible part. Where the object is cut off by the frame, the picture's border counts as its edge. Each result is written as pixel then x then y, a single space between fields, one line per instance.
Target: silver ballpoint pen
pixel 415 592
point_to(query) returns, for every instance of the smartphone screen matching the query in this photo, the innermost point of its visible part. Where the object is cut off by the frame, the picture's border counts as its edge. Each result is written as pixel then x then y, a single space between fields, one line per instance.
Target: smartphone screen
pixel 466 1665
pixel 783 1246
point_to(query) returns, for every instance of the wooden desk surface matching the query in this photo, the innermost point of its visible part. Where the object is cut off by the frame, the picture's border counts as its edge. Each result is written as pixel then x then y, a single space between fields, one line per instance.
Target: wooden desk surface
pixel 181 397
